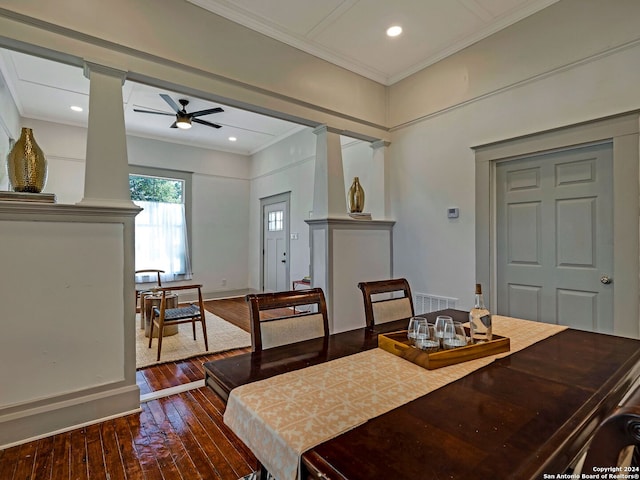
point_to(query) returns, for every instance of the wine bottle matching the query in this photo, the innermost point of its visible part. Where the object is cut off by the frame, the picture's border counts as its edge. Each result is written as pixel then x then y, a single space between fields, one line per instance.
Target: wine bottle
pixel 480 319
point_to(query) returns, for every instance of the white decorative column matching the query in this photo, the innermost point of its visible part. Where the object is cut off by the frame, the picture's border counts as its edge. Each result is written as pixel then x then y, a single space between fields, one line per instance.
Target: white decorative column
pixel 107 168
pixel 380 174
pixel 344 251
pixel 329 196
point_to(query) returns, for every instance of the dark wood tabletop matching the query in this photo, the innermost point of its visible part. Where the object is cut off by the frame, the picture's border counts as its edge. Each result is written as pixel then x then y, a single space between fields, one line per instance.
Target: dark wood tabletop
pixel 226 374
pixel 519 417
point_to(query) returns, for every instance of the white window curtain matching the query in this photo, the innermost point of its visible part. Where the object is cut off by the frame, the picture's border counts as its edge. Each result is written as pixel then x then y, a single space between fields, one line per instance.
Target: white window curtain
pixel 161 239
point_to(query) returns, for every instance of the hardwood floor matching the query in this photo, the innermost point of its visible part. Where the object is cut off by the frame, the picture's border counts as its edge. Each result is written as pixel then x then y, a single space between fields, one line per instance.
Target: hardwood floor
pixel 181 437
pixel 178 437
pixel 172 374
pixel 234 310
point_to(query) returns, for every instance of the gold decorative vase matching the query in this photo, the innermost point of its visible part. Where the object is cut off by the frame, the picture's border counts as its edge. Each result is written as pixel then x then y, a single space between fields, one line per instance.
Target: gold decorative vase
pixel 26 164
pixel 356 196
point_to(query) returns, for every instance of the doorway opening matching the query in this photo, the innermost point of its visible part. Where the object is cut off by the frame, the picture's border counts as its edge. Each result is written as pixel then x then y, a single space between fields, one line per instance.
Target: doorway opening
pixel 274 241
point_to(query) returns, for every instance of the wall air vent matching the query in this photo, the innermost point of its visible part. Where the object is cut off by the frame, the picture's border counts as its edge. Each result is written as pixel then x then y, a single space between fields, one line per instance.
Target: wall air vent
pixel 424 303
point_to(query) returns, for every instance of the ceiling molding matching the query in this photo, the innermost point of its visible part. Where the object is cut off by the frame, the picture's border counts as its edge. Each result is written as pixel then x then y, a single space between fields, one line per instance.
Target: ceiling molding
pixel 254 22
pixel 292 39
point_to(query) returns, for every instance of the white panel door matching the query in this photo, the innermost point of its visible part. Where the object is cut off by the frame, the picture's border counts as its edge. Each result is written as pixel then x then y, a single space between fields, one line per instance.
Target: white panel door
pixel 554 238
pixel 275 231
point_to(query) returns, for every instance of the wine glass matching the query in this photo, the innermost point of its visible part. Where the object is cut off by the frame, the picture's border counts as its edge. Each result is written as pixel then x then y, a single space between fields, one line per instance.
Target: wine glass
pixel 412 329
pixel 426 338
pixel 441 322
pixel 454 336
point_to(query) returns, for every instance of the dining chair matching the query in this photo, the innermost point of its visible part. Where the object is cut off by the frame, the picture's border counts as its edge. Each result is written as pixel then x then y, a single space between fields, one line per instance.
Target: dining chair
pixel 162 316
pixel 616 441
pixel 155 273
pixel 386 300
pixel 288 328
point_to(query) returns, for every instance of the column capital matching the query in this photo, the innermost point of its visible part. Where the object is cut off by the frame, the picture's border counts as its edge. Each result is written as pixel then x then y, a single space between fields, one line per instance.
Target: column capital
pixel 320 129
pixel 379 144
pixel 89 67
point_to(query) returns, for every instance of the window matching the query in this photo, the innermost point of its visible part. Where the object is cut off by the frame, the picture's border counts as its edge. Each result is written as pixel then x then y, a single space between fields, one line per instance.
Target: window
pixel 274 221
pixel 162 239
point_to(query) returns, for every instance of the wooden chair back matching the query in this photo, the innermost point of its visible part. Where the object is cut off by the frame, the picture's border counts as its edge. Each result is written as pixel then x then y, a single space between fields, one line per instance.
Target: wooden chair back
pixel 616 441
pixel 162 316
pixel 383 303
pixel 274 332
pixel 152 270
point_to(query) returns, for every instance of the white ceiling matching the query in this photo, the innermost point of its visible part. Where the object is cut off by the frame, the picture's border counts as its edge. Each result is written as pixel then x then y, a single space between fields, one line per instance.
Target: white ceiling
pixel 49 97
pixel 349 33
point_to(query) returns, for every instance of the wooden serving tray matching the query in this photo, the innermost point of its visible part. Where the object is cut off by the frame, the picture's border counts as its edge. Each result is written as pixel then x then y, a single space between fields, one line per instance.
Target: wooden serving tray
pixel 398 344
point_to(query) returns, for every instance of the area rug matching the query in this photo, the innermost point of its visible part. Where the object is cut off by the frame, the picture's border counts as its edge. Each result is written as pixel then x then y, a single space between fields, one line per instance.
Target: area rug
pixel 222 336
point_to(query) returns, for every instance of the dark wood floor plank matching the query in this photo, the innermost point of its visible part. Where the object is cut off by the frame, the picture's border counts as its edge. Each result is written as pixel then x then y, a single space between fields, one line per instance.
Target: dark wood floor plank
pixel 25 461
pixel 127 449
pixel 141 381
pixel 111 451
pixel 188 459
pixel 43 463
pixel 61 457
pixel 203 439
pixel 174 373
pixel 144 450
pixel 194 406
pixel 9 462
pixel 95 454
pixel 214 404
pixel 157 445
pixel 157 380
pixel 79 455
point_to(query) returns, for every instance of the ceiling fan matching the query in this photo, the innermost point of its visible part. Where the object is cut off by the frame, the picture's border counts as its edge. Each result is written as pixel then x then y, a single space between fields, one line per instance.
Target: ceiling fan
pixel 183 118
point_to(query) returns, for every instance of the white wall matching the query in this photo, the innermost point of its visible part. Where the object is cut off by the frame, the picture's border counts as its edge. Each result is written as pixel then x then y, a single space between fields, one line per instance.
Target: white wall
pixel 220 195
pixel 9 129
pixel 288 166
pixel 433 164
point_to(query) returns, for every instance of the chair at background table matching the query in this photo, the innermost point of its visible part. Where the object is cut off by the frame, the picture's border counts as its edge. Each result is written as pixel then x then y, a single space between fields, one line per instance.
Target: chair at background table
pixel 382 303
pixel 162 316
pixel 616 441
pixel 273 332
pixel 156 273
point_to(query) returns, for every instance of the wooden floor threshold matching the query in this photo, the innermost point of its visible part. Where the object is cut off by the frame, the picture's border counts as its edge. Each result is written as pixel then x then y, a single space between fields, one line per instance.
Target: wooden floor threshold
pixel 165 392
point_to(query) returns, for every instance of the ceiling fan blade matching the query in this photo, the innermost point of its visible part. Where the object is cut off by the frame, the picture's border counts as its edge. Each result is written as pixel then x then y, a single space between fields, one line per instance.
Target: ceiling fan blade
pixel 199 113
pixel 173 125
pixel 170 101
pixel 156 113
pixel 204 122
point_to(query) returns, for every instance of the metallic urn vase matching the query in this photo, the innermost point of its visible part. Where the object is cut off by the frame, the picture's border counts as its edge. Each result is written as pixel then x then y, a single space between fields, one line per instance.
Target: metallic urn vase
pixel 26 164
pixel 356 197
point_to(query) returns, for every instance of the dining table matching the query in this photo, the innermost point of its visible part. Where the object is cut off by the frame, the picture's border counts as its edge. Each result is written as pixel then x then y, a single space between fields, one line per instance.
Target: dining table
pixel 528 413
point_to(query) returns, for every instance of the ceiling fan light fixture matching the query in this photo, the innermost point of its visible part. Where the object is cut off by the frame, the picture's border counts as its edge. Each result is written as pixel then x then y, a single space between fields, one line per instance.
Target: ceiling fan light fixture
pixel 183 123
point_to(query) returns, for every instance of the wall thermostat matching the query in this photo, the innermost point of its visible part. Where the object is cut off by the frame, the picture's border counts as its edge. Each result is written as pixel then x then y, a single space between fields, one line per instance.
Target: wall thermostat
pixel 453 212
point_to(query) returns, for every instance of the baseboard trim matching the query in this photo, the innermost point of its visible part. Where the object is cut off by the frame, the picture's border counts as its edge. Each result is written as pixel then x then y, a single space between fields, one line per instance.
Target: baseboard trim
pixel 165 392
pixel 41 421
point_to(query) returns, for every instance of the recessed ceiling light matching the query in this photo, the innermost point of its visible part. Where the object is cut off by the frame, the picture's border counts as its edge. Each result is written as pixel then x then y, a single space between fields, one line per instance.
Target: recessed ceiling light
pixel 232 139
pixel 394 31
pixel 76 108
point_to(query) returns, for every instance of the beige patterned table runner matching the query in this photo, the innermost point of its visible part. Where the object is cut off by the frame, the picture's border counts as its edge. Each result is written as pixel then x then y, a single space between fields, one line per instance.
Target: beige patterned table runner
pixel 281 417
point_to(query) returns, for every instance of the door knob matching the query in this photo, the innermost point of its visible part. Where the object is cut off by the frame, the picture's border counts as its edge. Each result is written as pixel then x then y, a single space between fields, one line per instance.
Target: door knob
pixel 606 279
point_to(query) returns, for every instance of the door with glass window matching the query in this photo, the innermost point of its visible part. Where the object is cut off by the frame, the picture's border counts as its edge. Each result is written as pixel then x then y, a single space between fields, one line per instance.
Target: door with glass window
pixel 275 269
